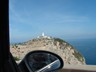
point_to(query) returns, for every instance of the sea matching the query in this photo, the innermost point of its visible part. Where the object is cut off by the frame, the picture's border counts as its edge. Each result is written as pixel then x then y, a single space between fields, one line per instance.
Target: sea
pixel 87 47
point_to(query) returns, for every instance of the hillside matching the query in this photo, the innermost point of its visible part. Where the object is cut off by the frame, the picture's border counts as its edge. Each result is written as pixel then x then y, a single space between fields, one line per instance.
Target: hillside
pixel 68 53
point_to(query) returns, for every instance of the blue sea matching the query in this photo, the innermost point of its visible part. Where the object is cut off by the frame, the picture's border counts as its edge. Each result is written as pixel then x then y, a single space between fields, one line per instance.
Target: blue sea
pixel 87 47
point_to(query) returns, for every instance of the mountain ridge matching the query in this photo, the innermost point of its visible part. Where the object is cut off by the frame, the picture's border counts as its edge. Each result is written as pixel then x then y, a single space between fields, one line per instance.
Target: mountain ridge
pixel 56 45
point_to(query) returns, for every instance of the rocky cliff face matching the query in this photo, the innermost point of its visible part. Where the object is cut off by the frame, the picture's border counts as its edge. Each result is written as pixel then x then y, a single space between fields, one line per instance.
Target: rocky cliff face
pixel 68 53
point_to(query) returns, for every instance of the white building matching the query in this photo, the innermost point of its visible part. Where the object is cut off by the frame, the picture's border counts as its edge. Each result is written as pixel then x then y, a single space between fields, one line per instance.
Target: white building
pixel 43 36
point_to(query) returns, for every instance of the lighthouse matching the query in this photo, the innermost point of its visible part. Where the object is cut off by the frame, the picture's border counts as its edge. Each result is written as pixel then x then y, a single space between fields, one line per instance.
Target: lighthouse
pixel 43 34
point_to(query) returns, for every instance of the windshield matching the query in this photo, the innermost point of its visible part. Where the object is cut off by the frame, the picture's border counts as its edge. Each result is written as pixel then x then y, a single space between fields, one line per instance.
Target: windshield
pixel 65 27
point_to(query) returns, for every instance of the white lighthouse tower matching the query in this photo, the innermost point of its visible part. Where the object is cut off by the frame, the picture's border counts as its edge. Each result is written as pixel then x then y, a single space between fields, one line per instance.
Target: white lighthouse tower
pixel 43 34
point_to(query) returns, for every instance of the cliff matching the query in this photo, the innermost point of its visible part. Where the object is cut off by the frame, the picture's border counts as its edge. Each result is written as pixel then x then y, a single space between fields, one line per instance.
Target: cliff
pixel 68 53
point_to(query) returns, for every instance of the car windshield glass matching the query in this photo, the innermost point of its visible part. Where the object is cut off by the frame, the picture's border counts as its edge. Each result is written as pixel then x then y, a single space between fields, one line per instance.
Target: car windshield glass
pixel 64 27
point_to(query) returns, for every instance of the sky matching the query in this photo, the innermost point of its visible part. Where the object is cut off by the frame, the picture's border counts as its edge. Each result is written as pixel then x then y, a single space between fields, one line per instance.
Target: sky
pixel 67 19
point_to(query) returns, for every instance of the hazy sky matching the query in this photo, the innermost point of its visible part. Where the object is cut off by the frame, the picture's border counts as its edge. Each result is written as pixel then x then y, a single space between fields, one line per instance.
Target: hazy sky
pixel 68 19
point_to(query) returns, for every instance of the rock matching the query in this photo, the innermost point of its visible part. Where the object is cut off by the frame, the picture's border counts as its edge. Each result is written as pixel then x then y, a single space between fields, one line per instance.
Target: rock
pixel 66 51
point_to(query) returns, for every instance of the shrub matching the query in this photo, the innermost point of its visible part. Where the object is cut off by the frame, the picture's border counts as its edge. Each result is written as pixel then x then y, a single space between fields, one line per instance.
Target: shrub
pixel 16 58
pixel 78 56
pixel 59 40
